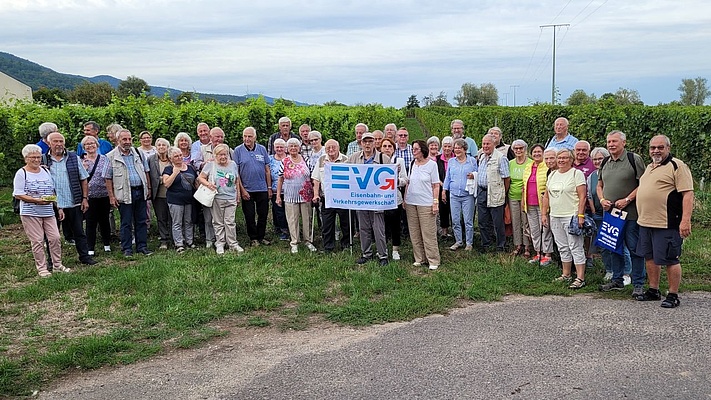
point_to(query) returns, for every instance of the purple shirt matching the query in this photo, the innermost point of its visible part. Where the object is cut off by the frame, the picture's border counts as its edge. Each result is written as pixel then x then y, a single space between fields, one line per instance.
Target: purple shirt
pixel 587 167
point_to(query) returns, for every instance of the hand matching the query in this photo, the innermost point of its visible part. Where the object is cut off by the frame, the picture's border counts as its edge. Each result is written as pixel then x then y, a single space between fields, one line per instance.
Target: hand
pixel 621 203
pixel 444 198
pixel 435 208
pixel 316 199
pixel 606 205
pixel 113 201
pixel 685 229
pixel 581 221
pixel 60 214
pixel 84 205
pixel 544 220
pixel 245 196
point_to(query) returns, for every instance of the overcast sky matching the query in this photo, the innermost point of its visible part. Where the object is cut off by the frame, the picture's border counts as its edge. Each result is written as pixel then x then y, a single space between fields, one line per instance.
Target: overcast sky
pixel 369 51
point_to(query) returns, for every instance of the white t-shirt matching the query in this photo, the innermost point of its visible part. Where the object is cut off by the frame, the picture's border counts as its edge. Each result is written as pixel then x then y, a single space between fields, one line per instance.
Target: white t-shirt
pixel 562 192
pixel 419 189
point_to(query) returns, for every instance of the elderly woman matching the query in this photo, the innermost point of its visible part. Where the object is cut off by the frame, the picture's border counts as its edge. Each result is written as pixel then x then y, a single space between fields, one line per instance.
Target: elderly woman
pixel 179 179
pixel 422 205
pixel 146 148
pixel 34 187
pixel 392 217
pixel 442 160
pixel 221 175
pixel 517 166
pixel 455 191
pixel 183 142
pixel 278 213
pixel 535 177
pixel 565 197
pixel 157 163
pixel 549 157
pixel 433 148
pixel 99 206
pixel 295 181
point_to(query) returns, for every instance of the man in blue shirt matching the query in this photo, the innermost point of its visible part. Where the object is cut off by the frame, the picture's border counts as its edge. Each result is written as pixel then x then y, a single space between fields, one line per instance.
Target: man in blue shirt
pixel 562 139
pixel 255 185
pixel 91 128
pixel 44 130
pixel 493 180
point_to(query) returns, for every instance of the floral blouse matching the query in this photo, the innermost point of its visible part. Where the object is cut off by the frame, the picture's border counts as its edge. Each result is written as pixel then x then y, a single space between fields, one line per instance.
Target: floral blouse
pixel 297 185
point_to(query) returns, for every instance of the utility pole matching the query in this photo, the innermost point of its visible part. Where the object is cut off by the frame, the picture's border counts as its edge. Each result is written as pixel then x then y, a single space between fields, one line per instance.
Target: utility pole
pixel 513 87
pixel 554 26
pixel 506 99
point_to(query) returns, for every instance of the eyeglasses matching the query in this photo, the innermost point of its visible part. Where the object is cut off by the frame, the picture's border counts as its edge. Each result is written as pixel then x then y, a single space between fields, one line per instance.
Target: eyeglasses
pixel 401 135
pixel 314 140
pixel 33 157
pixel 518 148
pixel 662 147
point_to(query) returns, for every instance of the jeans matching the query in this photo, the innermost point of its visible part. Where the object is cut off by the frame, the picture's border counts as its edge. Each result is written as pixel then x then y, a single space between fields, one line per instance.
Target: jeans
pixel 279 215
pixel 638 272
pixel 463 205
pixel 491 222
pixel 181 215
pixel 134 216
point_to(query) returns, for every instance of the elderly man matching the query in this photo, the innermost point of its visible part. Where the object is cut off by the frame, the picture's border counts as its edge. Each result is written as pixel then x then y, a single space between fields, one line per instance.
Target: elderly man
pixel 91 128
pixel 371 223
pixel 456 127
pixel 499 144
pixel 255 184
pixel 665 199
pixel 44 130
pixel 129 185
pixel 493 180
pixel 70 182
pixel 390 131
pixel 403 149
pixel 582 161
pixel 284 133
pixel 333 155
pixel 618 180
pixel 305 151
pixel 562 139
pixel 112 132
pixel 356 145
pixel 196 153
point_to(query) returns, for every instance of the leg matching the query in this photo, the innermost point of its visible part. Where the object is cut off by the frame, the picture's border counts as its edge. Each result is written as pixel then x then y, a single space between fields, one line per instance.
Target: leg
pixel 217 219
pixel 249 208
pixel 344 222
pixel 428 226
pixel 486 228
pixel 328 233
pixel 631 239
pixel 126 212
pixel 188 227
pixel 413 225
pixel 456 203
pixel 516 222
pixel 365 228
pixel 33 227
pixel 497 216
pixel 292 219
pixel 468 206
pixel 75 219
pixel 230 226
pixel 140 223
pixel 54 241
pixel 209 228
pixel 104 207
pixel 307 215
pixel 160 207
pixel 91 216
pixel 176 215
pixel 262 214
pixel 379 234
pixel 674 276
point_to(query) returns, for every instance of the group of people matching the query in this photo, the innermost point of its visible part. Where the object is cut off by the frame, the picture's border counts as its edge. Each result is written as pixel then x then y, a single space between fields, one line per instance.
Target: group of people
pixel 552 196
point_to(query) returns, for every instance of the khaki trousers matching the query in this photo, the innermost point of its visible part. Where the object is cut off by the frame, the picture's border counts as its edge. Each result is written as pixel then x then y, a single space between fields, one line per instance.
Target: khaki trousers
pixel 293 212
pixel 223 222
pixel 423 233
pixel 36 228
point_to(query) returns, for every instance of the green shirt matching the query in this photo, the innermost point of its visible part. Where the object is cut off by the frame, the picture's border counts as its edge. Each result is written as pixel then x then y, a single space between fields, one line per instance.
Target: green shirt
pixel 619 180
pixel 516 171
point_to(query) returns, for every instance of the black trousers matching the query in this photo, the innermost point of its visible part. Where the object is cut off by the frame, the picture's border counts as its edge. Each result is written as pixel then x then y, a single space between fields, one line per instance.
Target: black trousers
pixel 98 215
pixel 329 227
pixel 74 218
pixel 257 205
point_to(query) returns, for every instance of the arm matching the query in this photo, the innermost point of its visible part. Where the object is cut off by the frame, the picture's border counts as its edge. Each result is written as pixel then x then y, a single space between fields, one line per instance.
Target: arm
pixel 606 204
pixel 544 208
pixel 110 188
pixel 622 203
pixel 268 172
pixel 582 197
pixel 687 206
pixel 84 195
pixel 279 184
pixel 169 179
pixel 317 190
pixel 435 196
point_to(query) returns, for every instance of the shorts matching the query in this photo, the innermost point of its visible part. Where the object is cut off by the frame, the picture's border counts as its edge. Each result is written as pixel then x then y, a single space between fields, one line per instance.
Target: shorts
pixel 661 245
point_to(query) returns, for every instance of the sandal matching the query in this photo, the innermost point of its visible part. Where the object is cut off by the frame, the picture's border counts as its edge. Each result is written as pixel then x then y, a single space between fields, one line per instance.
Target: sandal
pixel 671 301
pixel 563 278
pixel 517 251
pixel 577 284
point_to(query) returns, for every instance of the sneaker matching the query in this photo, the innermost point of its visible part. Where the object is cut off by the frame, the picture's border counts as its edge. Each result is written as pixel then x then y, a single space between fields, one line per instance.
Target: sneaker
pixel 671 301
pixel 62 268
pixel 626 280
pixel 362 260
pixel 545 261
pixel 180 250
pixel 311 247
pixel 266 242
pixel 650 295
pixel 396 255
pixel 237 248
pixel 283 236
pixel 70 242
pixel 577 284
pixel 535 259
pixel 563 278
pixel 191 246
pixel 255 243
pixel 417 264
pixel 208 244
pixel 128 254
pixel 612 285
pixel 637 292
pixel 88 261
pixel 45 274
pixel 163 246
pixel 433 267
pixel 220 249
pixel 455 246
pixel 91 252
pixel 383 262
pixel 294 249
pixel 607 277
pixel 107 249
pixel 468 248
pixel 145 252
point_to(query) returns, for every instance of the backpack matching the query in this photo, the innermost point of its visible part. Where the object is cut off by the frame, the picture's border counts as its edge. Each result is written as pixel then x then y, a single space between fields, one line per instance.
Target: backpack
pixel 630 158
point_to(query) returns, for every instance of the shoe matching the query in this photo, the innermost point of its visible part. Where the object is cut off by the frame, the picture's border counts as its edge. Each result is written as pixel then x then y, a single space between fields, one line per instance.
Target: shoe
pixel 417 264
pixel 145 252
pixel 637 292
pixel 70 242
pixel 87 261
pixel 383 262
pixel 589 263
pixel 62 268
pixel 607 277
pixel 45 274
pixel 577 284
pixel 91 252
pixel 433 267
pixel 468 248
pixel 535 259
pixel 650 295
pixel 311 247
pixel 356 235
pixel 563 278
pixel 128 254
pixel 255 243
pixel 163 246
pixel 362 260
pixel 191 246
pixel 612 285
pixel 220 249
pixel 284 236
pixel 626 280
pixel 180 250
pixel 208 244
pixel 671 301
pixel 545 261
pixel 237 248
pixel 266 242
pixel 396 255
pixel 455 246
pixel 294 249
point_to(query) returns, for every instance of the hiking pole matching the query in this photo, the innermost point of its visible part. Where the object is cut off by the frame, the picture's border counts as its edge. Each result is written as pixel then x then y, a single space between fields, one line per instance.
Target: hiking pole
pixel 313 220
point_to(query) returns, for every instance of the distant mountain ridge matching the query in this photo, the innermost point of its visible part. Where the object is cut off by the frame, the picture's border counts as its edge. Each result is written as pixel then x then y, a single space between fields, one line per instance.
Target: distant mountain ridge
pixel 37 76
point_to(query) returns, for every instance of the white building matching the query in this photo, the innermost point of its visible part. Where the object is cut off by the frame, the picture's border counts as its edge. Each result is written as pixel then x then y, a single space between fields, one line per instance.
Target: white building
pixel 12 90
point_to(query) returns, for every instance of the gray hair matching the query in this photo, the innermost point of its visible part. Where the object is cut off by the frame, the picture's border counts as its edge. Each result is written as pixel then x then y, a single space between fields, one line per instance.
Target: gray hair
pixel 433 139
pixel 284 119
pixel 667 142
pixel 315 133
pixel 173 151
pixel 293 141
pixel 220 148
pixel 520 142
pixel 447 140
pixel 584 142
pixel 495 129
pixel 461 143
pixel 112 130
pixel 601 150
pixel 363 125
pixel 46 128
pixel 88 138
pixel 162 140
pixel 251 128
pixel 182 135
pixel 565 150
pixel 456 121
pixel 29 149
pixel 616 132
pixel 279 142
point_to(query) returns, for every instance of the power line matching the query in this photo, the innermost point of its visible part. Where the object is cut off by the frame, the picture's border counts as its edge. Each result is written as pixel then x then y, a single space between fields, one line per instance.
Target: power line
pixel 581 11
pixel 593 12
pixel 561 11
pixel 554 26
pixel 528 68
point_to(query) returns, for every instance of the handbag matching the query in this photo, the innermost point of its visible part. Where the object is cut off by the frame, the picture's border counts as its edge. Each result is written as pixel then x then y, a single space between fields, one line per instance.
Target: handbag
pixel 610 234
pixel 204 194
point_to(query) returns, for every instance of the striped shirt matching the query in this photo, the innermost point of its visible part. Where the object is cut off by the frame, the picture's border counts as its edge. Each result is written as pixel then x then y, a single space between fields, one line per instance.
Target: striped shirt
pixel 35 185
